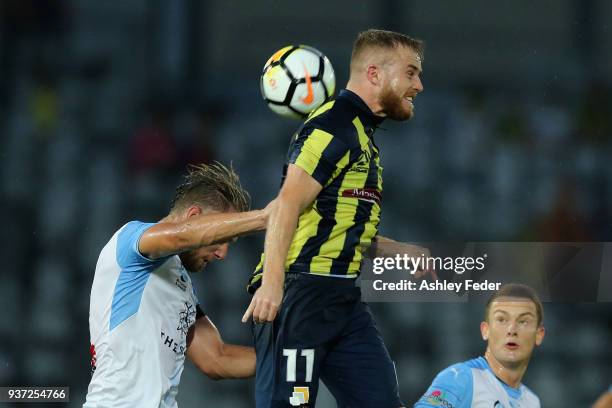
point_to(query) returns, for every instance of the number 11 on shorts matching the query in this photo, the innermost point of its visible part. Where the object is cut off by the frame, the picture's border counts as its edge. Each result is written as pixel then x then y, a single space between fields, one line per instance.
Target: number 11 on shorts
pixel 291 355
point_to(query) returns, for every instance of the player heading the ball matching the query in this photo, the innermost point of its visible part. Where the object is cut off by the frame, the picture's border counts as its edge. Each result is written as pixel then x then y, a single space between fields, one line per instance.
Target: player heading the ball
pixel 327 211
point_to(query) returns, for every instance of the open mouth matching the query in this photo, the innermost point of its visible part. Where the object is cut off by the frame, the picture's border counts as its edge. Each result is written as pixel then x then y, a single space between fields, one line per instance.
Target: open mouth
pixel 511 345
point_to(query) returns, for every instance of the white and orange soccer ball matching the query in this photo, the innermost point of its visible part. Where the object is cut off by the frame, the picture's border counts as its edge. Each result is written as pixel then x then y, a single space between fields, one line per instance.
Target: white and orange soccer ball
pixel 296 80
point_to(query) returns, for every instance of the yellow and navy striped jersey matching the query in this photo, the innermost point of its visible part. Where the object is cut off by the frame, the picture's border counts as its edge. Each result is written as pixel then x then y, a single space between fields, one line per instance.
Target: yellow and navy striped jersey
pixel 335 146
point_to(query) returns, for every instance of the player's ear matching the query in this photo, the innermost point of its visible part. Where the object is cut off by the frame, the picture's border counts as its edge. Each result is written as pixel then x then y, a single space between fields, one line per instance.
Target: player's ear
pixel 484 330
pixel 540 335
pixel 373 74
pixel 194 210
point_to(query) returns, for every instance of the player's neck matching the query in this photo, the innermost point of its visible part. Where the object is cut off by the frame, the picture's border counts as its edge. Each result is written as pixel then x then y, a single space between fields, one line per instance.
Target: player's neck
pixel 512 376
pixel 370 99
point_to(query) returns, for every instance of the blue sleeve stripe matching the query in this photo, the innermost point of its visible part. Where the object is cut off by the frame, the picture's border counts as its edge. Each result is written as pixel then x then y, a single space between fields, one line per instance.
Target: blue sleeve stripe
pixel 127 296
pixel 134 274
pixel 128 253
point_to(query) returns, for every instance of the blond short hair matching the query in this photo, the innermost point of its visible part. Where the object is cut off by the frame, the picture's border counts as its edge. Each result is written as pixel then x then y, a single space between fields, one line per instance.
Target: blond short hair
pixel 212 186
pixel 386 40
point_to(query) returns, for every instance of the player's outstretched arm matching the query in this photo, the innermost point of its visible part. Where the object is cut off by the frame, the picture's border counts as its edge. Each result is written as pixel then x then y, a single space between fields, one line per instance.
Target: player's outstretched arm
pixel 384 246
pixel 387 247
pixel 168 238
pixel 298 192
pixel 216 359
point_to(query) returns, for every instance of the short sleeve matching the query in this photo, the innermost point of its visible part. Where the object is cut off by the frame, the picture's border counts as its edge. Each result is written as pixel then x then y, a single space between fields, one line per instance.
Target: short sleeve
pixel 128 254
pixel 319 154
pixel 452 387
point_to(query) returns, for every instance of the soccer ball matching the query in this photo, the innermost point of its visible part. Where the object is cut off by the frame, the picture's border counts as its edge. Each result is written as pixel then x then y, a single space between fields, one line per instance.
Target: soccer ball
pixel 296 80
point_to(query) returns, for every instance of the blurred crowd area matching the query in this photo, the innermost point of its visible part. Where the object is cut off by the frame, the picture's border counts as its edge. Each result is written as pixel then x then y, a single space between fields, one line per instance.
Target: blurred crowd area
pixel 103 104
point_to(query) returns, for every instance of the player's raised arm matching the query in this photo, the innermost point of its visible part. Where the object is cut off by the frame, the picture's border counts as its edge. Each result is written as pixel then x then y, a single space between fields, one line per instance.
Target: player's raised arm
pixel 216 359
pixel 172 236
pixel 387 247
pixel 209 208
pixel 383 246
pixel 298 192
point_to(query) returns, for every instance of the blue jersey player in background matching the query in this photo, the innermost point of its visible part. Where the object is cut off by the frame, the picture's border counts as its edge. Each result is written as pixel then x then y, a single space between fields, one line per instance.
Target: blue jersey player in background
pixel 512 328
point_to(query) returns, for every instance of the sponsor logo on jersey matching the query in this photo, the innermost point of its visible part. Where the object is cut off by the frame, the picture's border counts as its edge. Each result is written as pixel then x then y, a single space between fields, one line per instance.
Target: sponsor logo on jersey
pixel 368 194
pixel 176 347
pixel 181 282
pixel 437 398
pixel 92 352
pixel 300 397
pixel 187 318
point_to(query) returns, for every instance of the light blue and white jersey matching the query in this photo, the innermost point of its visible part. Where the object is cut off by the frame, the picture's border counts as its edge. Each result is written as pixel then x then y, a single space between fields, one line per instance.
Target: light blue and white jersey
pixel 139 314
pixel 472 384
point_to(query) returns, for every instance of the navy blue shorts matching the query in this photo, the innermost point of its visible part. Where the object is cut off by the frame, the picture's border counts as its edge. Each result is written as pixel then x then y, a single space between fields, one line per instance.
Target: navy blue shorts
pixel 323 331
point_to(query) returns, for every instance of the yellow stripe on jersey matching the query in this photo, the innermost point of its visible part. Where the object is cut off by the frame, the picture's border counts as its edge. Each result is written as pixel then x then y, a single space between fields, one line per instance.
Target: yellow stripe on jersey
pixel 342 163
pixel 371 229
pixel 344 216
pixel 308 222
pixel 313 150
pixel 364 141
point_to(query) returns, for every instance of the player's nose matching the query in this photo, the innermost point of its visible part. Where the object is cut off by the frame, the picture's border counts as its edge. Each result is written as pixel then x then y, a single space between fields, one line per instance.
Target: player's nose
pixel 221 252
pixel 418 85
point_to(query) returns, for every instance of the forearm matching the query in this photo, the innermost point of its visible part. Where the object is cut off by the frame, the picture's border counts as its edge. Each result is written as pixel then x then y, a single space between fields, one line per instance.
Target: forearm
pixel 223 227
pixel 379 246
pixel 228 361
pixel 210 229
pixel 213 357
pixel 387 247
pixel 281 228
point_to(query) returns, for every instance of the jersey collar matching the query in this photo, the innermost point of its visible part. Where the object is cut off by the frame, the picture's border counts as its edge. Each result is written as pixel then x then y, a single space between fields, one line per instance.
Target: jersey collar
pixel 368 115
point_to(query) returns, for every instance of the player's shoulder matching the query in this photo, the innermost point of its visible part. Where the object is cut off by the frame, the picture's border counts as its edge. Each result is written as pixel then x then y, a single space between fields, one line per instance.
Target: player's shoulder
pixel 452 387
pixel 128 237
pixel 334 117
pixel 458 374
pixel 478 363
pixel 131 230
pixel 134 227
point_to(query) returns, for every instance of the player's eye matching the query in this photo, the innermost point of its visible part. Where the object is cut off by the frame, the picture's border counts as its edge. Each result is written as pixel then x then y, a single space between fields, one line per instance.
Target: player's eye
pixel 524 321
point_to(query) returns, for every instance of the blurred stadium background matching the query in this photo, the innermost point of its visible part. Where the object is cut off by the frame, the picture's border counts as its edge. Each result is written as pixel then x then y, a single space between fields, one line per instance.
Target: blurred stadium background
pixel 103 103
